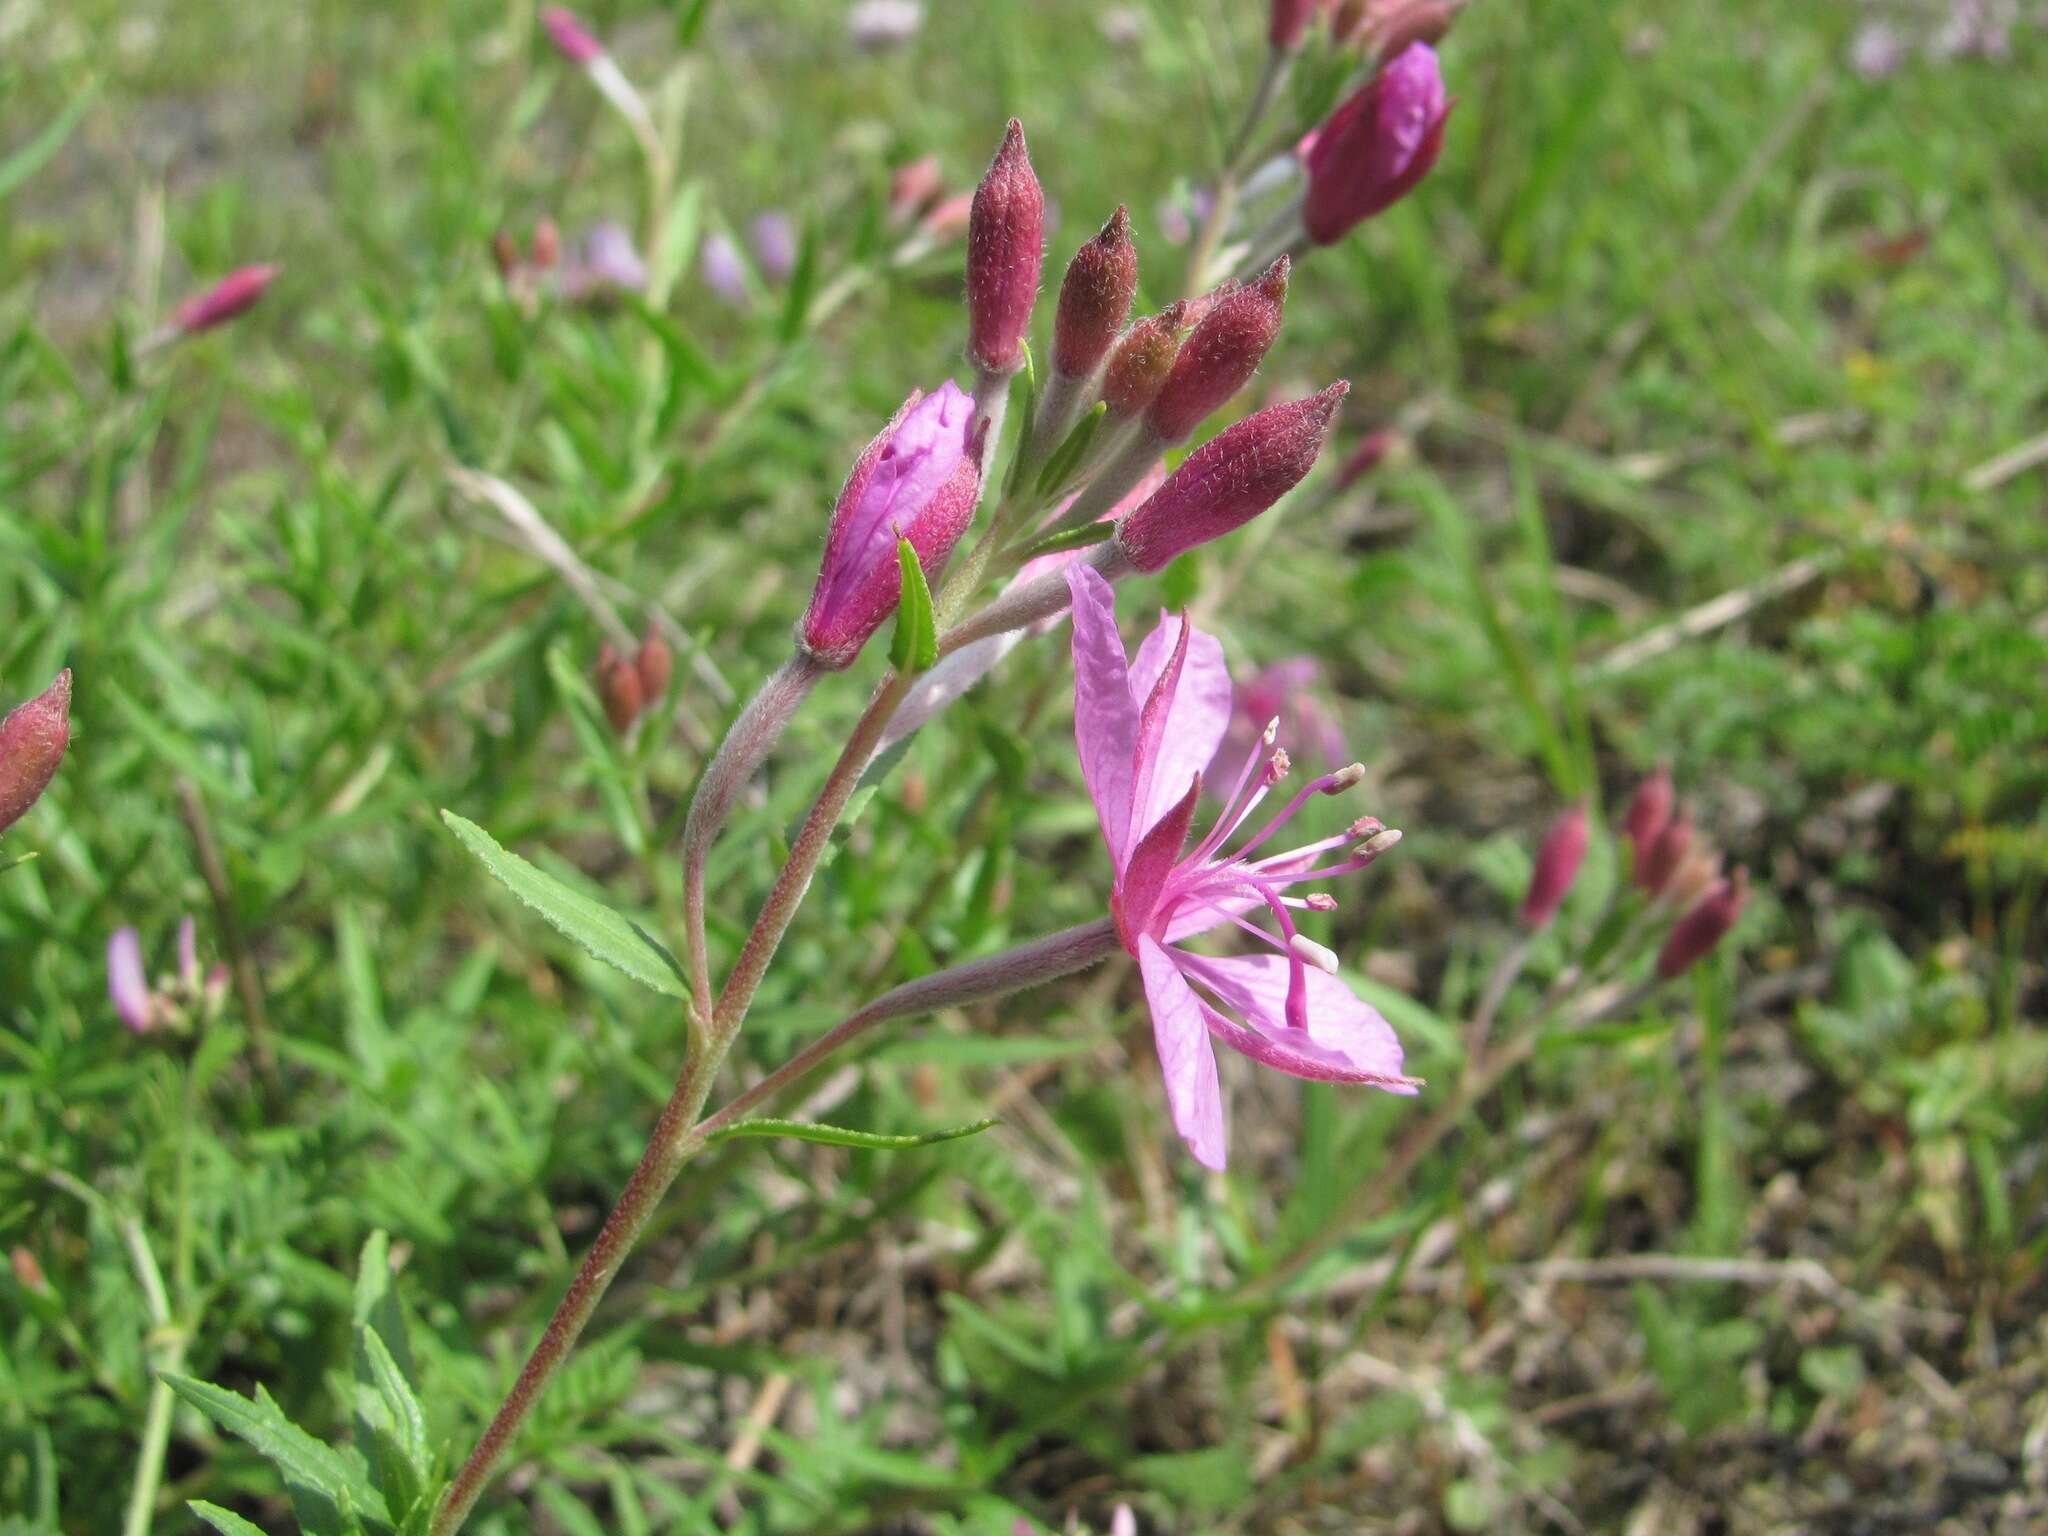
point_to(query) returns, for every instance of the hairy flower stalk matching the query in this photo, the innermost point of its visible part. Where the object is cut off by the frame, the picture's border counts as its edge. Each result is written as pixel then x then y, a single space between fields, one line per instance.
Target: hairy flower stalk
pixel 33 738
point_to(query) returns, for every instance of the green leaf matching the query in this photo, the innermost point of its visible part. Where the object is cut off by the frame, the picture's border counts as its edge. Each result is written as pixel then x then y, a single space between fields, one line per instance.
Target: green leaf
pixel 609 937
pixel 226 1521
pixel 916 645
pixel 1066 458
pixel 306 1465
pixel 839 1136
pixel 1071 538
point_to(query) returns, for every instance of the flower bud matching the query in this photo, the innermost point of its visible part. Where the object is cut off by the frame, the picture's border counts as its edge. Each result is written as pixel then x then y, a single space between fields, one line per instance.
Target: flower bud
pixel 914 188
pixel 231 296
pixel 1095 298
pixel 1230 479
pixel 1411 21
pixel 1221 354
pixel 773 239
pixel 919 480
pixel 1005 249
pixel 1649 810
pixel 1557 866
pixel 1694 935
pixel 505 254
pixel 1660 862
pixel 1695 876
pixel 655 664
pixel 618 687
pixel 1143 359
pixel 571 38
pixel 1376 146
pixel 1366 457
pixel 32 742
pixel 127 985
pixel 1289 24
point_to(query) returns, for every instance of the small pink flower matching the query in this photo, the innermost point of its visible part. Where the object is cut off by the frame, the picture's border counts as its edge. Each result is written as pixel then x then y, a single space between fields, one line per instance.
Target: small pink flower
pixel 723 268
pixel 1144 732
pixel 919 480
pixel 574 41
pixel 1376 146
pixel 773 239
pixel 126 983
pixel 1286 690
pixel 1557 866
pixel 603 266
pixel 879 24
pixel 1005 252
pixel 33 738
pixel 231 296
pixel 1122 1522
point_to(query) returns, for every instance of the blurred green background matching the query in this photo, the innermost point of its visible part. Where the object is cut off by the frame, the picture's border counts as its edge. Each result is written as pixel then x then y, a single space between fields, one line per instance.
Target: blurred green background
pixel 1694 309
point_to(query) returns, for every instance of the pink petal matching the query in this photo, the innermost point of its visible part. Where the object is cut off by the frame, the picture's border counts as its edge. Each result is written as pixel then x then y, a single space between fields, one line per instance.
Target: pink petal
pixel 1344 1034
pixel 1151 862
pixel 1186 1059
pixel 1105 715
pixel 1198 718
pixel 1153 720
pixel 126 983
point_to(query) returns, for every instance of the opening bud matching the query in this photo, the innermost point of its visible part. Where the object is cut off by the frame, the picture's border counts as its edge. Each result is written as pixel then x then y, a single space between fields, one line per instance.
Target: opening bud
pixel 1376 146
pixel 1230 479
pixel 1649 810
pixel 1660 862
pixel 618 688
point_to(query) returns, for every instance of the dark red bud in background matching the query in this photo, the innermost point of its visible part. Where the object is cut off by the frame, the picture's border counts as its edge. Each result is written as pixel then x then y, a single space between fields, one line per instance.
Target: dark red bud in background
pixel 1694 935
pixel 232 295
pixel 655 664
pixel 505 253
pixel 914 188
pixel 1411 21
pixel 1557 866
pixel 1366 457
pixel 1005 250
pixel 1095 298
pixel 1230 479
pixel 1289 22
pixel 32 742
pixel 618 687
pixel 1143 359
pixel 1656 867
pixel 547 244
pixel 1221 354
pixel 1648 812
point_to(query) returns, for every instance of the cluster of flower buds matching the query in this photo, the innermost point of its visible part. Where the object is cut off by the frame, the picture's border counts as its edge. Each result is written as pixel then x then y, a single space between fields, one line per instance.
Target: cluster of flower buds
pixel 179 1001
pixel 629 686
pixel 32 742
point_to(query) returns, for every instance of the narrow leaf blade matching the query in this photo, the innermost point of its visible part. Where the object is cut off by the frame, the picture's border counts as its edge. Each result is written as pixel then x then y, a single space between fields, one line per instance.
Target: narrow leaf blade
pixel 840 1136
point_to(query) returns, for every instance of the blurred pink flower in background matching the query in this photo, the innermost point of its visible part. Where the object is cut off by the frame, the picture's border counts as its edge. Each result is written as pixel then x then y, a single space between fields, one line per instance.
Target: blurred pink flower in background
pixel 879 24
pixel 127 985
pixel 773 239
pixel 1289 690
pixel 603 265
pixel 723 268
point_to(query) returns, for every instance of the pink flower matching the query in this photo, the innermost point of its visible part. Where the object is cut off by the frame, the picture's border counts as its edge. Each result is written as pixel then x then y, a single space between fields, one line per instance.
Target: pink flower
pixel 1376 146
pixel 574 41
pixel 773 239
pixel 33 738
pixel 723 268
pixel 915 187
pixel 878 24
pixel 1144 731
pixel 1286 690
pixel 917 479
pixel 126 983
pixel 1005 251
pixel 603 266
pixel 231 296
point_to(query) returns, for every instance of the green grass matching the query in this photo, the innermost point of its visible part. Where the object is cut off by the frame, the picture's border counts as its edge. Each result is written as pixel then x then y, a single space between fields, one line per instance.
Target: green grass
pixel 1642 354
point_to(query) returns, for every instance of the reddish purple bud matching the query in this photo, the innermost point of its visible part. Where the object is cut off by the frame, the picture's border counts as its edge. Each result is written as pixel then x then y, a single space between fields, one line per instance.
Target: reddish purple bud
pixel 1095 298
pixel 505 253
pixel 655 664
pixel 1005 249
pixel 1407 22
pixel 1661 860
pixel 1649 811
pixel 574 41
pixel 547 244
pixel 1694 935
pixel 32 742
pixel 1366 457
pixel 1221 354
pixel 127 985
pixel 1143 359
pixel 918 480
pixel 1557 866
pixel 618 687
pixel 229 297
pixel 1376 145
pixel 1230 479
pixel 914 188
pixel 1290 22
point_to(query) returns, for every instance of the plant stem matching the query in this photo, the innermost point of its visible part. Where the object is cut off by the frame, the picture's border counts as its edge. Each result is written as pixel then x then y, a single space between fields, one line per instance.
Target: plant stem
pixel 1223 207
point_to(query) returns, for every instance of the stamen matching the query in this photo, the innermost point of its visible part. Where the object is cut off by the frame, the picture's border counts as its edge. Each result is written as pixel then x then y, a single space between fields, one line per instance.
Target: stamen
pixel 1315 954
pixel 1277 767
pixel 1378 843
pixel 1366 826
pixel 1343 778
pixel 1321 901
pixel 1319 786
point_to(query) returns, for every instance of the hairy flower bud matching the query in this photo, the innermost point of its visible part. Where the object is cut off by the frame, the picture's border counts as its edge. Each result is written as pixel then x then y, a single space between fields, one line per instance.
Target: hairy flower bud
pixel 231 296
pixel 918 480
pixel 574 41
pixel 1221 354
pixel 1661 860
pixel 1005 249
pixel 1095 298
pixel 1376 146
pixel 1557 866
pixel 1230 479
pixel 1649 810
pixel 1694 935
pixel 1143 359
pixel 655 664
pixel 618 688
pixel 32 742
pixel 1289 23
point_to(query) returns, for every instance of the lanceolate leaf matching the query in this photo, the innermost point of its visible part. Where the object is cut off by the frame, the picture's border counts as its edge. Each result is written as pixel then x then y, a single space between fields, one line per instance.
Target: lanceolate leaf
pixel 916 645
pixel 306 1464
pixel 839 1136
pixel 226 1521
pixel 592 924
